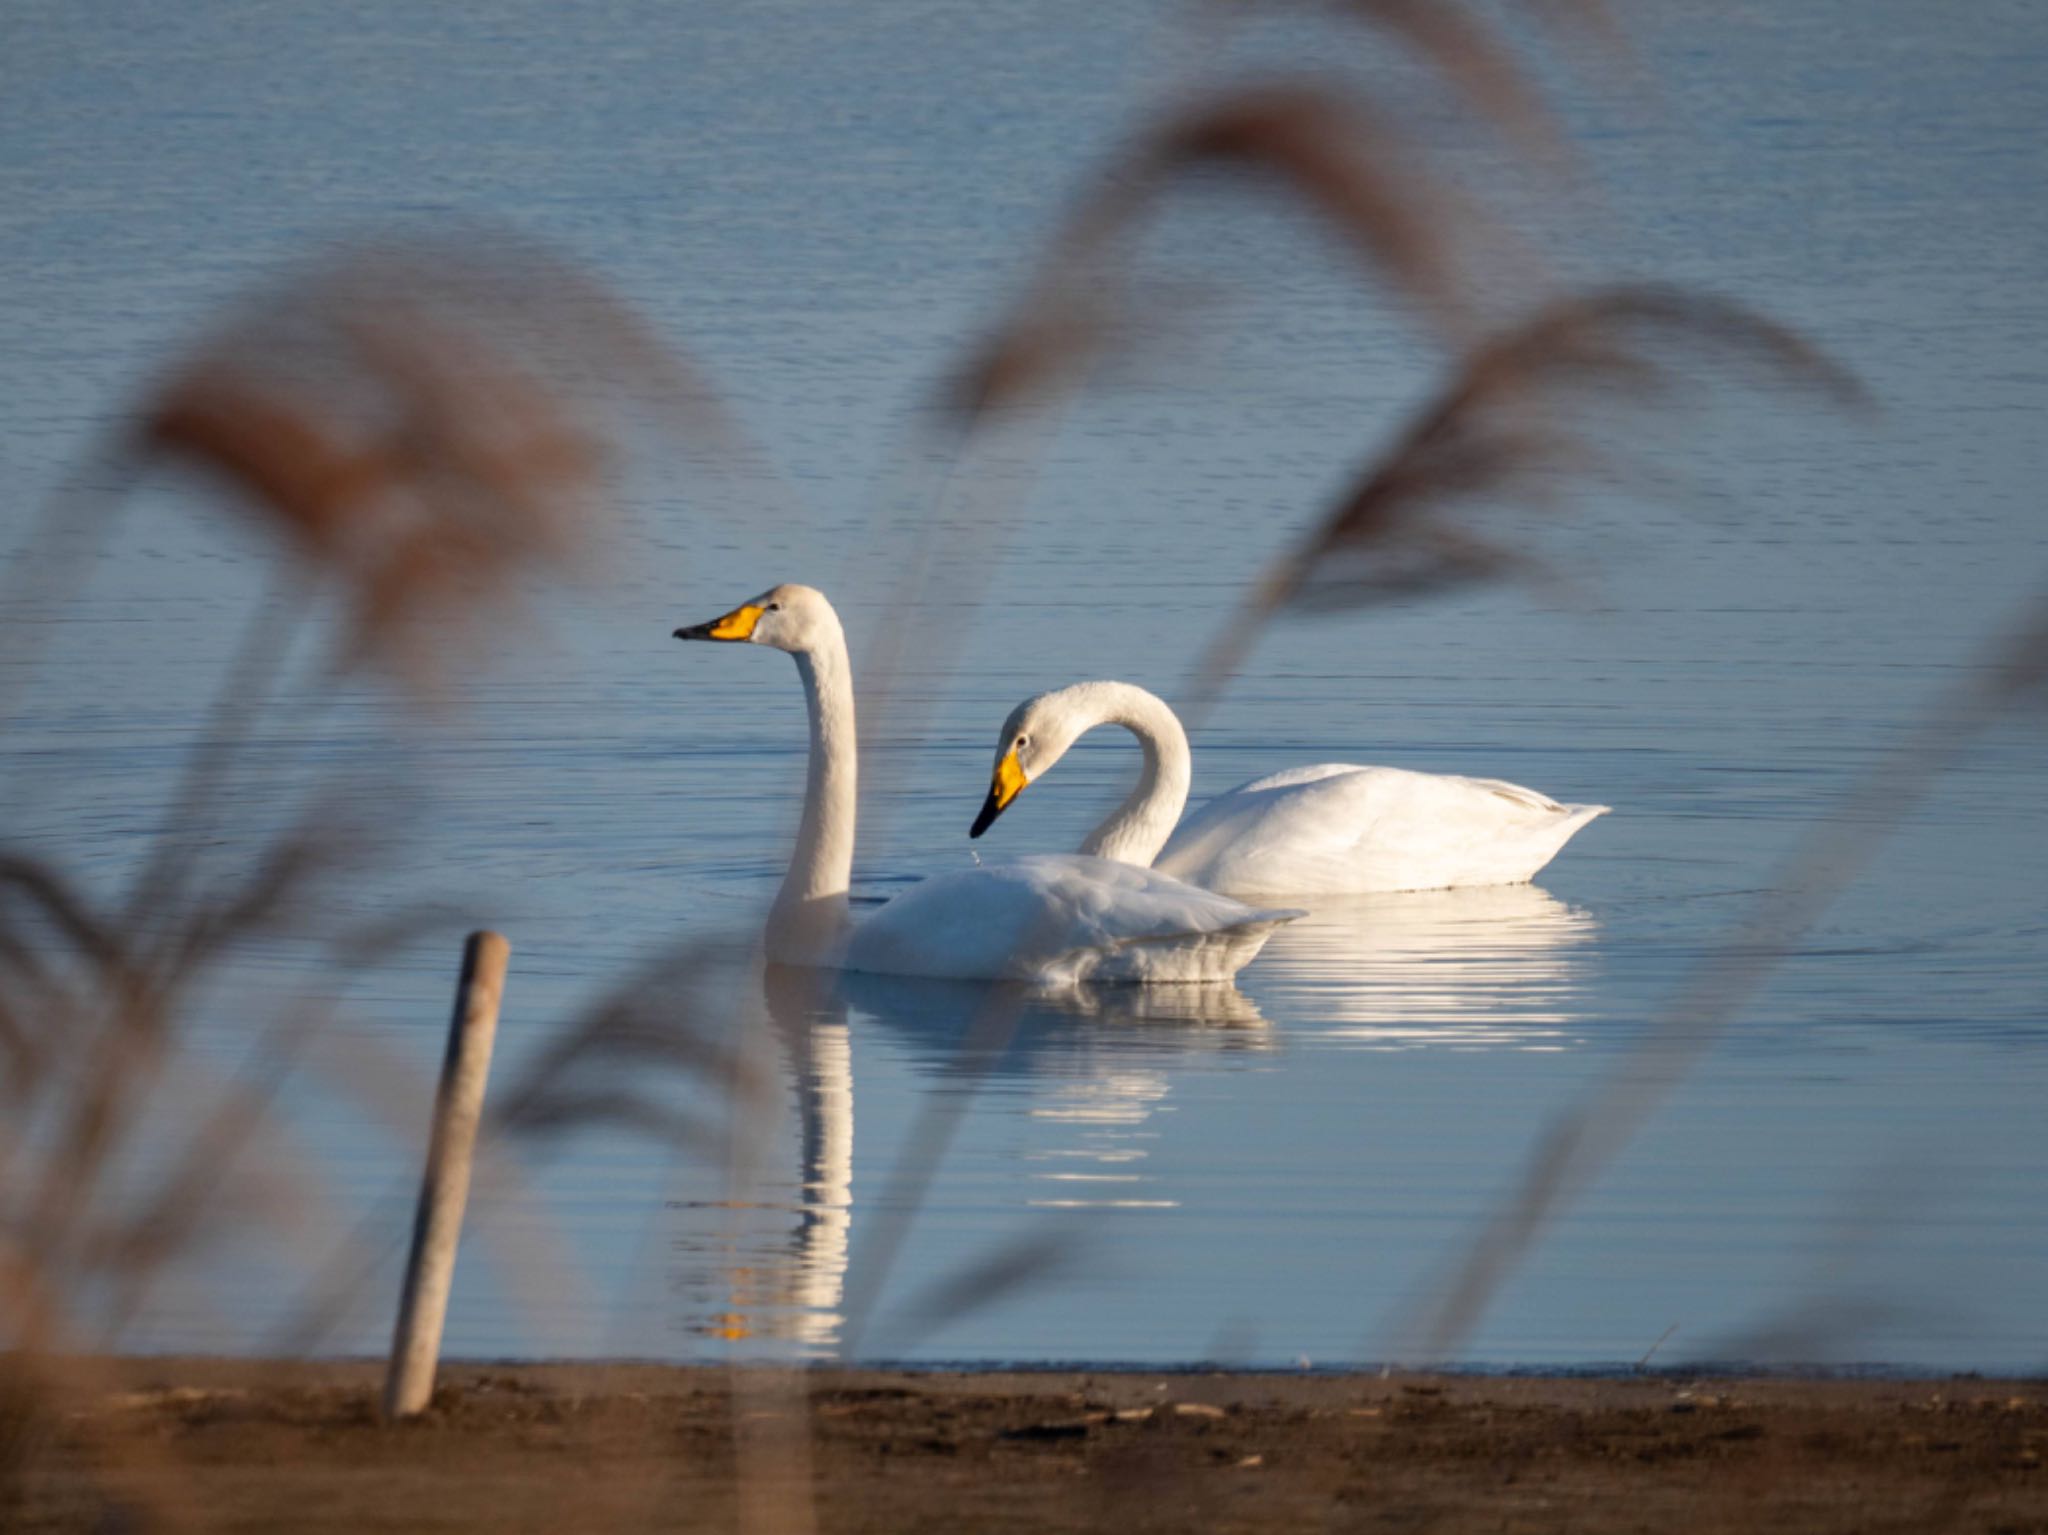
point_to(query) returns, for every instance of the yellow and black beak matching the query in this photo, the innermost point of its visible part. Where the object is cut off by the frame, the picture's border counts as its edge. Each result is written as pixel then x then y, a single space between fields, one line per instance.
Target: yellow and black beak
pixel 736 625
pixel 1010 781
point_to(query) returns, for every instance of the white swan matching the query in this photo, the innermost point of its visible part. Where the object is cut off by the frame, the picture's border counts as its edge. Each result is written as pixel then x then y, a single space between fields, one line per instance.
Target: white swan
pixel 1052 920
pixel 1330 829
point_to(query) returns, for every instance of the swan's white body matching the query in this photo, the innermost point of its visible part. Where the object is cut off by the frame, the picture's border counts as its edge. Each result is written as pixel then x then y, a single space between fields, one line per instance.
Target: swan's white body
pixel 1337 828
pixel 1061 919
pixel 1051 920
pixel 1330 829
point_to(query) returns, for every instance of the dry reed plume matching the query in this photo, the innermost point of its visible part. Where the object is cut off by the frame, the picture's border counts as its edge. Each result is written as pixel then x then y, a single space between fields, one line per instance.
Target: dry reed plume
pixel 1323 143
pixel 1527 419
pixel 1579 1144
pixel 428 426
pixel 1320 145
pixel 1470 53
pixel 424 427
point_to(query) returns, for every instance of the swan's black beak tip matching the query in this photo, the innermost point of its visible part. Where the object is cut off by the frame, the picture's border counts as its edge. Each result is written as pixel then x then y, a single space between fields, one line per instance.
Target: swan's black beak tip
pixel 694 632
pixel 990 809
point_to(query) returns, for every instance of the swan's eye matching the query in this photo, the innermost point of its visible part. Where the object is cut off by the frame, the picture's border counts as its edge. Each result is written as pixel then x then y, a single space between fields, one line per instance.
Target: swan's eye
pixel 775 607
pixel 1023 741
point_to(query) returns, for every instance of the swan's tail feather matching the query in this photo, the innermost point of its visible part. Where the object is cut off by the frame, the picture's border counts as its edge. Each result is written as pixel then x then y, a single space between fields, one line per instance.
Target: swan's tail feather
pixel 1209 958
pixel 1551 841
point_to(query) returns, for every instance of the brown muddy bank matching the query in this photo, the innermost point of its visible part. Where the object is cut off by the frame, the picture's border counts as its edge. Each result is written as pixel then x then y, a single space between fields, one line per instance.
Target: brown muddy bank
pixel 220 1445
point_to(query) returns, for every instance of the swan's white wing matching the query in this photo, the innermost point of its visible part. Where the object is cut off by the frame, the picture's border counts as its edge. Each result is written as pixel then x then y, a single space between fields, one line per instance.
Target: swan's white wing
pixel 1060 919
pixel 1336 828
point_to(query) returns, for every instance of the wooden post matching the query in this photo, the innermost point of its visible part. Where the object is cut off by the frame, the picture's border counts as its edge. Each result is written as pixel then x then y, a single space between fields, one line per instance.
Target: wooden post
pixel 423 1305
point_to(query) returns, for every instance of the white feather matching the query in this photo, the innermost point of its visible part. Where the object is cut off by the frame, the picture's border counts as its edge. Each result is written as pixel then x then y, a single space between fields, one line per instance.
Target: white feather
pixel 1336 828
pixel 1061 919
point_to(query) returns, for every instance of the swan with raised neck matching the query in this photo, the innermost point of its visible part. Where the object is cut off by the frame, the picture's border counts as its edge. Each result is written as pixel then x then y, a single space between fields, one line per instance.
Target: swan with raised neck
pixel 808 924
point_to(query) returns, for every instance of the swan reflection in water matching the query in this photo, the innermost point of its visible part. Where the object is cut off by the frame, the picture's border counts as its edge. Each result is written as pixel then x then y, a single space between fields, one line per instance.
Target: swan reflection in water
pixel 1487 968
pixel 1092 1069
pixel 1094 1065
pixel 1097 1060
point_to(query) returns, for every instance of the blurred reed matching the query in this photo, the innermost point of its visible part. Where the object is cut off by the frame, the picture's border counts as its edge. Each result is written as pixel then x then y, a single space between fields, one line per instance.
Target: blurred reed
pixel 425 426
pixel 1310 140
pixel 1529 419
pixel 1579 1144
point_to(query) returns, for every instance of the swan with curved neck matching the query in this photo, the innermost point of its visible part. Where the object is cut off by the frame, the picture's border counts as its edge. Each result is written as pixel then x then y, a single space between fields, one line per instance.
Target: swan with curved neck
pixel 1332 828
pixel 1051 919
pixel 1038 733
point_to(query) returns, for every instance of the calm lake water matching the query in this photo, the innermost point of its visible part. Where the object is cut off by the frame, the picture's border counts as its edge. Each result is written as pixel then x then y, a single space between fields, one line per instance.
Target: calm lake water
pixel 820 204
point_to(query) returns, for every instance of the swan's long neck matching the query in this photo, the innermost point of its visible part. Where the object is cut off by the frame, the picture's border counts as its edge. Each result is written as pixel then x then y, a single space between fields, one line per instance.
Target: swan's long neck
pixel 809 918
pixel 1139 827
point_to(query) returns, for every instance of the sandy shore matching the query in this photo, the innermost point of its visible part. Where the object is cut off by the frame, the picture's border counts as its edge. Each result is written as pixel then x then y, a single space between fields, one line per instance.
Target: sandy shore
pixel 222 1445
